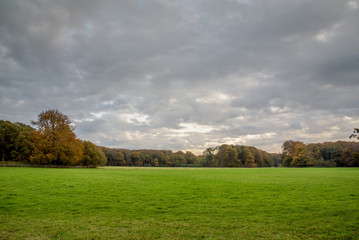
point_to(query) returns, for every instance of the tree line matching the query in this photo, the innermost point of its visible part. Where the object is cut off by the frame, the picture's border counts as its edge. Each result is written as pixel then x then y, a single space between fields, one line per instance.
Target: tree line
pixel 53 142
pixel 327 154
pixel 237 156
pixel 294 154
pixel 150 158
pixel 220 156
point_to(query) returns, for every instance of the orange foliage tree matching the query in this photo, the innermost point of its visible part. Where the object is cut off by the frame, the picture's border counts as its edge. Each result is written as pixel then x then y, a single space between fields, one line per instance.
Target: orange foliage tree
pixel 54 141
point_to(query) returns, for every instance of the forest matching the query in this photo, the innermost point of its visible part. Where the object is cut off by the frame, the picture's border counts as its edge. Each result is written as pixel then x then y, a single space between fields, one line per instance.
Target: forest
pixel 53 142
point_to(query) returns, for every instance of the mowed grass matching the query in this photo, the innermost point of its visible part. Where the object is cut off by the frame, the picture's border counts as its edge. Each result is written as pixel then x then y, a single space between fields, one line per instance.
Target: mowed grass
pixel 174 203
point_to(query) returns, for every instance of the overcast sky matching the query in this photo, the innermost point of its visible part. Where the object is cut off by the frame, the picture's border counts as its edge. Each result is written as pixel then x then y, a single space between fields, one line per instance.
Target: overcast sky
pixel 184 75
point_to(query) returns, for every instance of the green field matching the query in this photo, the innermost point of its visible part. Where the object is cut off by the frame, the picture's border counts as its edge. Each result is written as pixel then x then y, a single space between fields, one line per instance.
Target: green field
pixel 175 203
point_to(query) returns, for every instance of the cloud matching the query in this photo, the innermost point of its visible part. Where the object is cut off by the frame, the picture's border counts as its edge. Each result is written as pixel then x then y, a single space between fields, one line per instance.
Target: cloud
pixel 352 5
pixel 184 75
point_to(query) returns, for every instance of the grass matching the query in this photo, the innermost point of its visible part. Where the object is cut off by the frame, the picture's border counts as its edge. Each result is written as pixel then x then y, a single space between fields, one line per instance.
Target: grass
pixel 171 203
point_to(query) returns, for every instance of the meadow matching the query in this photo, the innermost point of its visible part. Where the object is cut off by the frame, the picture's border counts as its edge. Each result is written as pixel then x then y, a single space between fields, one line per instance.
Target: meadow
pixel 179 203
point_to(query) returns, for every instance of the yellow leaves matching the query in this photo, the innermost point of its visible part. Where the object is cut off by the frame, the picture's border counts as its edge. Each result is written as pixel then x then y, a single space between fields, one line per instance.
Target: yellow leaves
pixel 55 142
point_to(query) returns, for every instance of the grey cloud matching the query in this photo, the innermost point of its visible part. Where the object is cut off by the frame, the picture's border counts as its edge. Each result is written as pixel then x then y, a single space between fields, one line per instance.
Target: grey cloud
pixel 134 73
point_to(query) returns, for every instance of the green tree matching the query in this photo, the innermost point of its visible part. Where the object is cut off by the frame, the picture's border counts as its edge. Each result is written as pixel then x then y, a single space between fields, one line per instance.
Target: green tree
pixel 331 153
pixel 127 154
pixel 114 157
pixel 15 141
pixel 231 157
pixel 276 159
pixel 135 156
pixel 190 158
pixel 24 144
pixel 8 134
pixel 209 157
pixel 144 158
pixel 268 159
pixel 178 158
pixel 92 155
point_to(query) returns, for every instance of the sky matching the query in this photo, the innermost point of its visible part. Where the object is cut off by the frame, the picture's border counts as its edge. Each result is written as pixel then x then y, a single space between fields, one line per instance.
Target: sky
pixel 184 75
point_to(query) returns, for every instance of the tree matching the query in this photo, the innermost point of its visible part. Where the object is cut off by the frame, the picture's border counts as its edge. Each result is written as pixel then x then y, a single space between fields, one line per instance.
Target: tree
pixel 15 141
pixel 127 155
pixel 289 151
pixel 8 133
pixel 349 156
pixel 160 156
pixel 231 157
pixel 258 157
pixel 178 158
pixel 24 144
pixel 248 158
pixel 301 157
pixel 276 159
pixel 92 155
pixel 190 158
pixel 209 157
pixel 355 134
pixel 297 154
pixel 268 158
pixel 55 142
pixel 331 153
pixel 144 158
pixel 52 120
pixel 114 157
pixel 154 162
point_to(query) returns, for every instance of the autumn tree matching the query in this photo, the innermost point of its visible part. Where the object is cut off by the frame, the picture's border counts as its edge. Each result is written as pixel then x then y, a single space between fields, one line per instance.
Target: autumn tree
pixel 221 158
pixel 289 151
pixel 349 156
pixel 301 157
pixel 259 159
pixel 55 142
pixel 160 156
pixel 168 158
pixel 249 158
pixel 52 120
pixel 154 162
